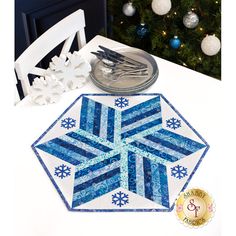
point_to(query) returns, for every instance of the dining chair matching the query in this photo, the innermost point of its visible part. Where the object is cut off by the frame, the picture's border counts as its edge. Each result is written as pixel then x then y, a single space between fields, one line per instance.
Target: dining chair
pixel 64 30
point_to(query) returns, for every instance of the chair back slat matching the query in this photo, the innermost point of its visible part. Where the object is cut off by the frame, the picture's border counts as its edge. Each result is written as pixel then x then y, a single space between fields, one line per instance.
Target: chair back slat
pixel 64 30
pixel 67 45
pixel 38 71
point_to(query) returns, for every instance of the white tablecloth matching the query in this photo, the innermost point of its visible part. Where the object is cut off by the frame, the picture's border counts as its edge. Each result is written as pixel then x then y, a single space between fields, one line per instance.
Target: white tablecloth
pixel 40 210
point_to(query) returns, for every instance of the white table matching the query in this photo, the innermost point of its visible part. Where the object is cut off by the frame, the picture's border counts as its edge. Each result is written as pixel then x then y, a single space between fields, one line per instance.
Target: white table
pixel 40 210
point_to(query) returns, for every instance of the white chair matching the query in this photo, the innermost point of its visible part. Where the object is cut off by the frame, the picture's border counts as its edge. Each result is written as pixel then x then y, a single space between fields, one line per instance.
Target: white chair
pixel 64 30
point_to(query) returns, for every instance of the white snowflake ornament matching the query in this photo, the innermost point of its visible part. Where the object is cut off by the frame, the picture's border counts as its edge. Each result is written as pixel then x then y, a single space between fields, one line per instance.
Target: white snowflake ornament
pixel 46 90
pixel 71 70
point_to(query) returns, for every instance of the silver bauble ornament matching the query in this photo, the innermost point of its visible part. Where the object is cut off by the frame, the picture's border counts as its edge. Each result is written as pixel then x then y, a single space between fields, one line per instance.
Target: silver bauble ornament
pixel 191 20
pixel 161 7
pixel 129 9
pixel 210 45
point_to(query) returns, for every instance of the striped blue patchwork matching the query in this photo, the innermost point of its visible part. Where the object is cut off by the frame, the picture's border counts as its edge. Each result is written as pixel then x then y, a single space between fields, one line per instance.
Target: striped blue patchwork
pixel 97 119
pixel 147 179
pixel 154 151
pixel 141 108
pixel 97 166
pixel 163 149
pixel 141 128
pixel 93 194
pixel 89 142
pixel 96 180
pixel 179 140
pixel 60 153
pixel 141 116
pixel 167 145
pixel 141 122
pixel 94 173
pixel 128 149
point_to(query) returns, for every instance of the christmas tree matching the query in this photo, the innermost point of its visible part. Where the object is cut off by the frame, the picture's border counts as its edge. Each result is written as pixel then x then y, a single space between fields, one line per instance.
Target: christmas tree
pixel 176 30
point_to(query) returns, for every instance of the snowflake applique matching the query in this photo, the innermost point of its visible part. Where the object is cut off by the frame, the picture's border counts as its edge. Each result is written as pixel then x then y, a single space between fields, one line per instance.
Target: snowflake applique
pixel 68 123
pixel 173 123
pixel 179 172
pixel 121 102
pixel 62 171
pixel 120 199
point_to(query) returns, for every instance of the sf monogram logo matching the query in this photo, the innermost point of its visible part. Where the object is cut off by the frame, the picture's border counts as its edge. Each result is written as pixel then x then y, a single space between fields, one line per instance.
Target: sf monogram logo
pixel 194 207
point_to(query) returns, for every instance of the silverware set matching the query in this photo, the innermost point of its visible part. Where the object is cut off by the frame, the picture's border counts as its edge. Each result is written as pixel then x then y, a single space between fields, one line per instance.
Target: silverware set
pixel 117 66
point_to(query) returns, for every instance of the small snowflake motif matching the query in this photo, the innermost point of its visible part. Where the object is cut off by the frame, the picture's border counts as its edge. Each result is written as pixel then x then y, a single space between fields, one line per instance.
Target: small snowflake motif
pixel 68 123
pixel 62 171
pixel 173 123
pixel 121 102
pixel 120 199
pixel 179 172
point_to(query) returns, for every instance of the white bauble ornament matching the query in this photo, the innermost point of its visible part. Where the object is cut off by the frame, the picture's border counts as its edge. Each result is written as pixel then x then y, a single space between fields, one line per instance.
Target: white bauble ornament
pixel 129 9
pixel 161 7
pixel 191 20
pixel 210 45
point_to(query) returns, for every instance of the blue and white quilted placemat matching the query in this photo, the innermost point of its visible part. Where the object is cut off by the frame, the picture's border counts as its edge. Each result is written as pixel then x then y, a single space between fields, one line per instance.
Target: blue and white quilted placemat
pixel 113 153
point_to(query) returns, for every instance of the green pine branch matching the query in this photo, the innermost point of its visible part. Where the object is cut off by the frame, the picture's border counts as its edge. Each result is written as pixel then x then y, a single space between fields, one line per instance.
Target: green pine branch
pixel 163 28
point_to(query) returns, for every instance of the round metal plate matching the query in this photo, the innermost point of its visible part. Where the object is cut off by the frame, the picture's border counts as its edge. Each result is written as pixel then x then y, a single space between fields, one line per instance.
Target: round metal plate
pixel 125 85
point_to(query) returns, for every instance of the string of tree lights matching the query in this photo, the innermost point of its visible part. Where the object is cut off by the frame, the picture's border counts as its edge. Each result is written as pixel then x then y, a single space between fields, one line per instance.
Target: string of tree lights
pixel 186 32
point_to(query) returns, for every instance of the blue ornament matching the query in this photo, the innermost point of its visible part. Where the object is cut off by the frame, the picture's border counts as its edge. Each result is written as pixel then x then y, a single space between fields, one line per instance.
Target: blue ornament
pixel 175 42
pixel 142 30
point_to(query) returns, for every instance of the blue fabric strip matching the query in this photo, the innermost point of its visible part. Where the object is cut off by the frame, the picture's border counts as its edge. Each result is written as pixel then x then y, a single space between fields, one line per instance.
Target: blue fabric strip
pixel 140 116
pixel 97 118
pixel 154 151
pixel 90 111
pixel 132 171
pixel 164 186
pixel 88 141
pixel 139 175
pixel 141 128
pixel 62 156
pixel 83 113
pixel 147 179
pixel 73 148
pixel 98 179
pixel 156 183
pixel 97 166
pixel 103 124
pixel 110 124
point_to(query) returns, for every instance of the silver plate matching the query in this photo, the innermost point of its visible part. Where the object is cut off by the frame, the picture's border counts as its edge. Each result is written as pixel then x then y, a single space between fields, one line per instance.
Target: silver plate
pixel 125 85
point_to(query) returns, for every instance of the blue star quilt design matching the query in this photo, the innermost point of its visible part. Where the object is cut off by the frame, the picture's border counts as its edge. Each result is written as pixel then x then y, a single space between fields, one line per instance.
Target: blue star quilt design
pixel 132 150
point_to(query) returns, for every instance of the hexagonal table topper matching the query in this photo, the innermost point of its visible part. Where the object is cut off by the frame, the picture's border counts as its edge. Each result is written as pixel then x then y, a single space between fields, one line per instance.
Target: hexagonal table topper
pixel 116 153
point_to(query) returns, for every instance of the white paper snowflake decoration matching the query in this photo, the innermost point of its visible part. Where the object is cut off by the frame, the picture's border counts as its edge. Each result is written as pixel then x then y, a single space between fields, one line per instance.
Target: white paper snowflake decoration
pixel 71 70
pixel 45 90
